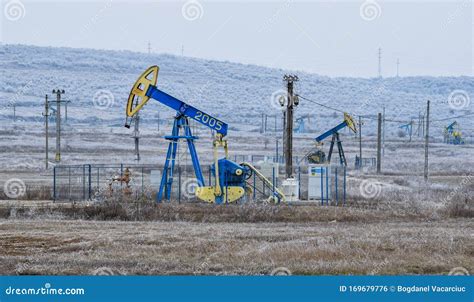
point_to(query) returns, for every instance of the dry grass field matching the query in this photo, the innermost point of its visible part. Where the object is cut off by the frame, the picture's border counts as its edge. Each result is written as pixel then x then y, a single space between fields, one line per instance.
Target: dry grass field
pixel 205 239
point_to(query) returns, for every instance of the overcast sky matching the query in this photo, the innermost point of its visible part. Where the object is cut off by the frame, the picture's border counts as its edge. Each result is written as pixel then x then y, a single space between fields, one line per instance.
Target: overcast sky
pixel 334 38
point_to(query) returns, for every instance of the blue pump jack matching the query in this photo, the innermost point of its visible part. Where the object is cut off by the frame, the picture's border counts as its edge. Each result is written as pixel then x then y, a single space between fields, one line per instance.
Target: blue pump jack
pixel 230 177
pixel 319 156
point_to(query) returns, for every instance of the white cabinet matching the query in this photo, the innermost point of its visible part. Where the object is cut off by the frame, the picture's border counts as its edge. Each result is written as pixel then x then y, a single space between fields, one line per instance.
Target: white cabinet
pixel 319 182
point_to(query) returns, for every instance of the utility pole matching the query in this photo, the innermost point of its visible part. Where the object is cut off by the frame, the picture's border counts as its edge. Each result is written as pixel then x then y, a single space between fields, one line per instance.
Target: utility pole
pixel 398 67
pixel 411 129
pixel 149 47
pixel 423 123
pixel 360 141
pixel 379 143
pixel 14 112
pixel 58 93
pixel 265 124
pixel 283 138
pixel 383 132
pixel 427 138
pixel 182 50
pixel 292 101
pixel 380 62
pixel 46 116
pixel 418 129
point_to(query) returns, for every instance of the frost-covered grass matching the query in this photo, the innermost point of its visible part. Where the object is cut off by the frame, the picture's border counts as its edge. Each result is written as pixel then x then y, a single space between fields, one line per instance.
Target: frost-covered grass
pixel 129 248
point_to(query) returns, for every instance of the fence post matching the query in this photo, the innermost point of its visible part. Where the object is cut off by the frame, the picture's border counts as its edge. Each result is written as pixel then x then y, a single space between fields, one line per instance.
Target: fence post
pixel 98 180
pixel 273 182
pixel 345 185
pixel 90 181
pixel 226 189
pixel 54 184
pixel 254 183
pixel 69 184
pixel 322 185
pixel 299 182
pixel 179 184
pixel 83 182
pixel 335 184
pixel 121 183
pixel 327 186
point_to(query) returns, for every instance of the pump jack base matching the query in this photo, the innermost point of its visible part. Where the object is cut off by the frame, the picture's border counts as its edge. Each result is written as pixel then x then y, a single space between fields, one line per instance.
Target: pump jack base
pixel 229 194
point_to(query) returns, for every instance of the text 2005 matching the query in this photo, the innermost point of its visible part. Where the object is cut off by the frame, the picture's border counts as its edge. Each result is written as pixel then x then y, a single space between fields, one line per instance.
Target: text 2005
pixel 207 120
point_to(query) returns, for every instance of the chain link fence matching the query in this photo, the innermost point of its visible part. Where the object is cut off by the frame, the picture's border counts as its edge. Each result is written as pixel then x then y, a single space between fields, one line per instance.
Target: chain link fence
pixel 127 182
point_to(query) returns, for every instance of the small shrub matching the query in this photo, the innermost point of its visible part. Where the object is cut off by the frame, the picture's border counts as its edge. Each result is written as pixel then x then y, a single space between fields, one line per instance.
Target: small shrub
pixel 460 208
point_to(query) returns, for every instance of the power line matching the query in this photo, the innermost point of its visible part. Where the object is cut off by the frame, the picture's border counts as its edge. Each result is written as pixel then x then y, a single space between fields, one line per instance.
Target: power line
pixel 353 114
pixel 375 118
pixel 453 117
pixel 322 105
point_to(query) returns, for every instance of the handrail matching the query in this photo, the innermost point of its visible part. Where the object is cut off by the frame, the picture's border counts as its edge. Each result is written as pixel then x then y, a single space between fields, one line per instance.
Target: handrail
pixel 262 177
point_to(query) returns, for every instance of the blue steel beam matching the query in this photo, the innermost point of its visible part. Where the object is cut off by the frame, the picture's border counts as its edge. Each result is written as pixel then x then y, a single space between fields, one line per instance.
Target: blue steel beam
pixel 451 126
pixel 187 110
pixel 331 131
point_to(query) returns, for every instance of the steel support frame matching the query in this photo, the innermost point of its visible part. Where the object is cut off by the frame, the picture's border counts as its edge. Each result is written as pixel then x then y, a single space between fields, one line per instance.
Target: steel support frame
pixel 180 122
